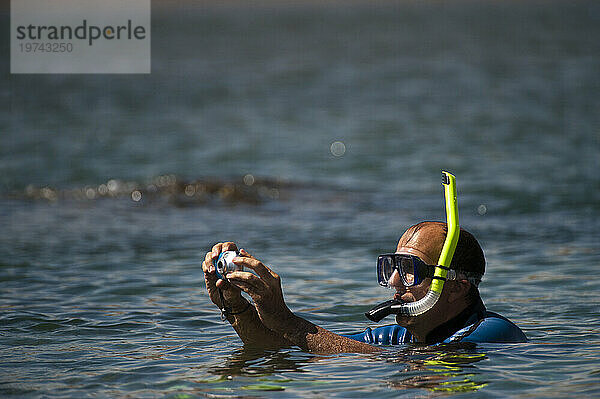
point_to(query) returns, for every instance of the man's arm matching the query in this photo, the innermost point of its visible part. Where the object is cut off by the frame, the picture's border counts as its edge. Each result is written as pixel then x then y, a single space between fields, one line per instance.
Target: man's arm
pixel 265 290
pixel 252 331
pixel 313 338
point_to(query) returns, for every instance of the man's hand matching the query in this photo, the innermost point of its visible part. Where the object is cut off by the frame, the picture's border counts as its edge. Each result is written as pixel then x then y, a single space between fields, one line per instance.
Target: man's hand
pixel 231 293
pixel 243 317
pixel 265 290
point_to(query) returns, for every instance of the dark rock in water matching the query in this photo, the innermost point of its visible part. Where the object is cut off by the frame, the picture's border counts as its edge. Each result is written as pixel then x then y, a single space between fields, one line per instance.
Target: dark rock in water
pixel 168 188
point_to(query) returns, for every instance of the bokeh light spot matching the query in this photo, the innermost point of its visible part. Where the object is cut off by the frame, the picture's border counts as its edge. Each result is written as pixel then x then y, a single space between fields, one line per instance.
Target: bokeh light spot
pixel 190 190
pixel 482 209
pixel 136 195
pixel 248 179
pixel 337 148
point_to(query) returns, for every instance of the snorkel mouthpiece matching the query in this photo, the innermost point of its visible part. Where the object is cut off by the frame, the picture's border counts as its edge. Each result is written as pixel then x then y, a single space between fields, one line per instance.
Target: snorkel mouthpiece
pixel 441 270
pixel 384 309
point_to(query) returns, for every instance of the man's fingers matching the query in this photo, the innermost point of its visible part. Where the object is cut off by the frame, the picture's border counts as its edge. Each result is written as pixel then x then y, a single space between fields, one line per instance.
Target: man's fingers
pixel 245 253
pixel 223 246
pixel 209 270
pixel 229 246
pixel 211 280
pixel 263 271
pixel 255 265
pixel 227 287
pixel 216 249
pixel 207 265
pixel 247 282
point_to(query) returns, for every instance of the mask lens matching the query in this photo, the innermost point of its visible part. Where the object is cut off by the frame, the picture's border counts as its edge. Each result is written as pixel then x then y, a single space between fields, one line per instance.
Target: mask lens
pixel 407 270
pixel 385 268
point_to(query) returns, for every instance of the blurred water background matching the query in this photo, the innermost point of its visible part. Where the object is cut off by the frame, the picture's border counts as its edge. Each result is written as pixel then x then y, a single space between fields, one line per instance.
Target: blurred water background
pixel 312 134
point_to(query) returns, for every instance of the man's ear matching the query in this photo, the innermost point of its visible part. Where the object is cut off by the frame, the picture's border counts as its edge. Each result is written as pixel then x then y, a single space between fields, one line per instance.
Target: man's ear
pixel 458 289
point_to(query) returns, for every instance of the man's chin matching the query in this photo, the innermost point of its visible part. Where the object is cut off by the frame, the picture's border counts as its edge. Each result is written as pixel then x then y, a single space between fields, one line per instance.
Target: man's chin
pixel 404 320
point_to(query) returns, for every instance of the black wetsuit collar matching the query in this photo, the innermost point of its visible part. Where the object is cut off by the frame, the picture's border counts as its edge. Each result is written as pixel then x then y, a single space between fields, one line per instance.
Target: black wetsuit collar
pixel 474 312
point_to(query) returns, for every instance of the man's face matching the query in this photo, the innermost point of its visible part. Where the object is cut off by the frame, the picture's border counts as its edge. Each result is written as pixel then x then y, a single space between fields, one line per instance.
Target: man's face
pixel 427 245
pixel 409 294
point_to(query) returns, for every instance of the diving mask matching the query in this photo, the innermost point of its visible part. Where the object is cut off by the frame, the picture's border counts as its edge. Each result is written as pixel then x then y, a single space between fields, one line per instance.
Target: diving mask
pixel 413 270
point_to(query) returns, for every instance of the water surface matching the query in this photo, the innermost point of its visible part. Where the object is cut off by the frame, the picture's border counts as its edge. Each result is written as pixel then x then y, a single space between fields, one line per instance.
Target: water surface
pixel 103 295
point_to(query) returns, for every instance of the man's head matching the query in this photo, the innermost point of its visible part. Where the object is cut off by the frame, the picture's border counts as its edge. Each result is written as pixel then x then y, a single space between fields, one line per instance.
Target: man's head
pixel 425 240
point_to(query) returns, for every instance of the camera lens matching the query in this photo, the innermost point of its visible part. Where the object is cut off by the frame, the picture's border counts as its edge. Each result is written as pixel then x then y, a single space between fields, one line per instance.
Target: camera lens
pixel 222 266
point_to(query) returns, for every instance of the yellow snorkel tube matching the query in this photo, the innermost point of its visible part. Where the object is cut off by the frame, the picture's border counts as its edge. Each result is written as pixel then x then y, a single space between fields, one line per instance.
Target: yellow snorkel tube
pixel 449 182
pixel 441 270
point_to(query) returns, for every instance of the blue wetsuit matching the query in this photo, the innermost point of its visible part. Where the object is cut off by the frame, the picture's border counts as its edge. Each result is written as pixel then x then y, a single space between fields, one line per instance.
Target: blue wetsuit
pixel 474 324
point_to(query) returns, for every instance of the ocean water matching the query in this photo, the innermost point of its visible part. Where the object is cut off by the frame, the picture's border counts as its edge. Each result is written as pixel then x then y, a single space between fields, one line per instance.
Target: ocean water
pixel 312 135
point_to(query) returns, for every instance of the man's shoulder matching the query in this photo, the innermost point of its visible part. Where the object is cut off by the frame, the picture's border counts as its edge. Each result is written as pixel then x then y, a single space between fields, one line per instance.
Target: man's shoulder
pixel 491 328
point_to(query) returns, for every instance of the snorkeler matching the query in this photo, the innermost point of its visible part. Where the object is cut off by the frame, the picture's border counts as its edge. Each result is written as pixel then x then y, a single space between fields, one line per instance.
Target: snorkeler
pixel 434 302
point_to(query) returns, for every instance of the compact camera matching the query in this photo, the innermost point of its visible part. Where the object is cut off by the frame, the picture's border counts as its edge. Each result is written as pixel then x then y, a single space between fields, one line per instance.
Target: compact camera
pixel 225 264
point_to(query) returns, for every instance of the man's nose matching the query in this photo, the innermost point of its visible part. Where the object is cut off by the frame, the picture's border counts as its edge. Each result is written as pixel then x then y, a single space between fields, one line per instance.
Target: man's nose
pixel 395 280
